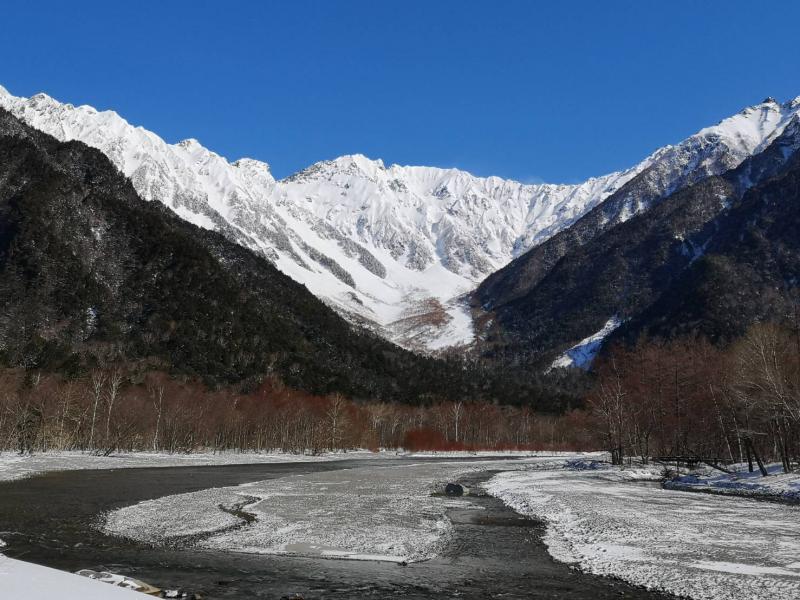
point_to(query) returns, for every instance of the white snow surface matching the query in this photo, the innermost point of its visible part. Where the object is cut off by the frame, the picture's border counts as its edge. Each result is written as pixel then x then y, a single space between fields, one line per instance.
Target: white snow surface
pixel 19 579
pixel 694 545
pixel 392 247
pixel 741 482
pixel 582 354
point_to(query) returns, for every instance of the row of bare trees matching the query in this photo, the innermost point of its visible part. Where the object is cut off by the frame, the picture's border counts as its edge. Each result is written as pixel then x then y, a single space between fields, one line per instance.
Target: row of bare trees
pixel 689 399
pixel 684 398
pixel 113 410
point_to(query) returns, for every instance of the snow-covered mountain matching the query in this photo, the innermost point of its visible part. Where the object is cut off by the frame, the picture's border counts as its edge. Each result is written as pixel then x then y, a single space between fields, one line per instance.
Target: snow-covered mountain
pixel 711 151
pixel 393 247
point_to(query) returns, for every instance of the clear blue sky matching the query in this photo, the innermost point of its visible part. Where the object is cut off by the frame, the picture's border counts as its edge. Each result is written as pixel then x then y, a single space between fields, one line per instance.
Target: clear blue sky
pixel 557 91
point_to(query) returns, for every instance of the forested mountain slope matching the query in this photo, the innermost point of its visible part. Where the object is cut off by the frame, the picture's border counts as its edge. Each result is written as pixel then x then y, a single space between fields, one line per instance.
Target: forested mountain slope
pixel 90 273
pixel 668 269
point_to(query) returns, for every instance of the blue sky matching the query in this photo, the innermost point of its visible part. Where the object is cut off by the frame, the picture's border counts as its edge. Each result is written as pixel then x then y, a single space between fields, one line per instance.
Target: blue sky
pixel 556 91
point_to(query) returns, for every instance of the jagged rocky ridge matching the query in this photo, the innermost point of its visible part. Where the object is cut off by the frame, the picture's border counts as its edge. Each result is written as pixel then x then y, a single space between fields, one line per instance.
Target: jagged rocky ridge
pixel 395 248
pixel 712 151
pixel 398 249
pixel 391 247
pixel 692 263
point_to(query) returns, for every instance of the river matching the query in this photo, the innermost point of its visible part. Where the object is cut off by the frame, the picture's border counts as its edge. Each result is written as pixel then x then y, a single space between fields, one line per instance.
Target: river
pixel 52 519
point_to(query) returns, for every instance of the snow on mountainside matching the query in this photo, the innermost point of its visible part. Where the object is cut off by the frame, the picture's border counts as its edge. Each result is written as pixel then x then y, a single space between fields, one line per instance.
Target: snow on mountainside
pixel 711 151
pixel 391 247
pixel 582 354
pixel 394 248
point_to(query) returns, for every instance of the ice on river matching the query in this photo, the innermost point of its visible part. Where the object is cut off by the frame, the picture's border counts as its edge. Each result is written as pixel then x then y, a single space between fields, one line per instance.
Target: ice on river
pixel 378 513
pixel 689 544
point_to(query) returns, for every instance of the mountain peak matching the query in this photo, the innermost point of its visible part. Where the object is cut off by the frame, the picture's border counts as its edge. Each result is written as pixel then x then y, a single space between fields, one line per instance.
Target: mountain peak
pixel 189 143
pixel 362 162
pixel 753 128
pixel 251 163
pixel 42 98
pixel 253 169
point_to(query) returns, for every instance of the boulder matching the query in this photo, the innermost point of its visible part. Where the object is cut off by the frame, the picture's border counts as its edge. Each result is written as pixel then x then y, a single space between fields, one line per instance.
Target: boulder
pixel 455 489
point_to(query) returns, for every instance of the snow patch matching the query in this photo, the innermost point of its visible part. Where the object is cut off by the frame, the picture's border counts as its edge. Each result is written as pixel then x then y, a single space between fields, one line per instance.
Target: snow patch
pixel 741 482
pixel 582 354
pixel 20 579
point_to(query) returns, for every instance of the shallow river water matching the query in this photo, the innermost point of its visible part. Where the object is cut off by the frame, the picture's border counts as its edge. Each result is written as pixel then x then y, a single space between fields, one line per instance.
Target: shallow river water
pixel 492 552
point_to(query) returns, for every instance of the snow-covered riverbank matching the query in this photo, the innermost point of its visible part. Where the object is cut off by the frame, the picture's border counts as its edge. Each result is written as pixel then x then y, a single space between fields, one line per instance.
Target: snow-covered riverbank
pixel 696 545
pixel 19 579
pixel 741 482
pixel 16 466
pixel 397 527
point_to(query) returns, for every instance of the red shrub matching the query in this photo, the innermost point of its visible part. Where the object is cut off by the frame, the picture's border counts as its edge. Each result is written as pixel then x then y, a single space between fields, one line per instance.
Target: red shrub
pixel 429 439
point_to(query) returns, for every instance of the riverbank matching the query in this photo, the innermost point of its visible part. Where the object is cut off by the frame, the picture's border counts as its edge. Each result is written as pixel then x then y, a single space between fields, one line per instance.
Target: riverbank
pixel 18 466
pixel 614 522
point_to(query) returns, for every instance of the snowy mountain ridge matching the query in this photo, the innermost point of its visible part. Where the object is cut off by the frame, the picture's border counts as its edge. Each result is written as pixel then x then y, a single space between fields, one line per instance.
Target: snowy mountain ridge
pixel 711 151
pixel 393 247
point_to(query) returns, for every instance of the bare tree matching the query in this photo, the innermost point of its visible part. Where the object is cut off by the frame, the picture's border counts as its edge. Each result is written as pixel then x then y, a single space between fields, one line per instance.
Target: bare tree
pixel 456 408
pixel 608 403
pixel 157 398
pixel 114 383
pixel 336 420
pixel 98 384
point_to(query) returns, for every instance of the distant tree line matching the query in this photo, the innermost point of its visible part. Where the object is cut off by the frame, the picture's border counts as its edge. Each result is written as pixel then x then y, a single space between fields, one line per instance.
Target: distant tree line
pixel 687 398
pixel 112 409
pixel 681 398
